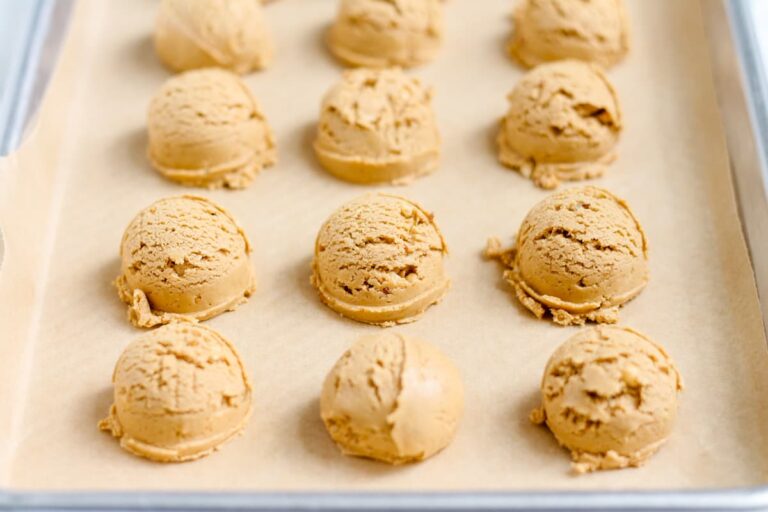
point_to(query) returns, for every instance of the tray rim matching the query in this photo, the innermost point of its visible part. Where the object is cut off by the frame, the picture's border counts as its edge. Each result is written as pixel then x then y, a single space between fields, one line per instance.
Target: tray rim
pixel 733 19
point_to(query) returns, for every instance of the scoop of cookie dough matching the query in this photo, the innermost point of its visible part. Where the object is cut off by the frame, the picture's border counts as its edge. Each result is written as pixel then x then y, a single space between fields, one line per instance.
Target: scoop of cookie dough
pixel 589 30
pixel 563 122
pixel 392 398
pixel 580 254
pixel 206 129
pixel 380 34
pixel 378 126
pixel 183 258
pixel 229 34
pixel 609 394
pixel 180 391
pixel 379 260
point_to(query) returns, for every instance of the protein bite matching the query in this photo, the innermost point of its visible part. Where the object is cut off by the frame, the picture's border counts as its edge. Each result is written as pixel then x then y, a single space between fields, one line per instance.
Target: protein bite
pixel 183 258
pixel 230 34
pixel 589 30
pixel 206 129
pixel 609 395
pixel 379 260
pixel 563 123
pixel 378 34
pixel 392 398
pixel 180 392
pixel 580 254
pixel 377 126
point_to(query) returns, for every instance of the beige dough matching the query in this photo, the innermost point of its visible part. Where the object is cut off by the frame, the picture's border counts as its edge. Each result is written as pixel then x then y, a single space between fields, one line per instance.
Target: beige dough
pixel 183 258
pixel 180 392
pixel 609 394
pixel 379 260
pixel 380 34
pixel 377 126
pixel 392 398
pixel 563 122
pixel 206 129
pixel 589 30
pixel 230 34
pixel 580 254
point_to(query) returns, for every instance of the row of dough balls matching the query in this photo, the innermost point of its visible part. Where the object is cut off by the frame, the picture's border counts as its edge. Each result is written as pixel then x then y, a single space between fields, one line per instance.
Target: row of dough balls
pixel 232 34
pixel 206 129
pixel 608 394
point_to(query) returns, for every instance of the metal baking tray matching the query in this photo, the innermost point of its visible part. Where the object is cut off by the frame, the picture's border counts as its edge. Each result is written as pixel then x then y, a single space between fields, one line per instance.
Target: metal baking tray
pixel 742 96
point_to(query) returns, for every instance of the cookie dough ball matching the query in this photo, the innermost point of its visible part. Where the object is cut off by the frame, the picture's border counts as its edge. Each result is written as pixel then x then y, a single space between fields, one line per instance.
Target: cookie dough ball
pixel 392 398
pixel 379 260
pixel 181 391
pixel 183 258
pixel 377 126
pixel 580 255
pixel 609 394
pixel 206 129
pixel 589 30
pixel 563 123
pixel 380 34
pixel 230 34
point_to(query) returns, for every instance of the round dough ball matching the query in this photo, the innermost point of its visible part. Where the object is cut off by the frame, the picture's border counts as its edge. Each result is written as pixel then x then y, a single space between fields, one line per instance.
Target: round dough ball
pixel 377 126
pixel 230 34
pixel 580 255
pixel 589 30
pixel 206 129
pixel 563 123
pixel 183 257
pixel 609 395
pixel 378 34
pixel 379 260
pixel 181 391
pixel 392 398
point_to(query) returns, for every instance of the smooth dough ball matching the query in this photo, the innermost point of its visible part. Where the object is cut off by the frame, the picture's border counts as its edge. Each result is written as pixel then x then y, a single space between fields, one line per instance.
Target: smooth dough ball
pixel 589 30
pixel 181 391
pixel 206 129
pixel 380 34
pixel 183 258
pixel 563 123
pixel 377 126
pixel 580 255
pixel 230 34
pixel 392 398
pixel 379 260
pixel 609 394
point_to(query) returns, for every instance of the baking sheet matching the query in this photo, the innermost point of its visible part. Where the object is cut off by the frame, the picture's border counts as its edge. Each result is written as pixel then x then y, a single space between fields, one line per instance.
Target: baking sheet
pixel 72 189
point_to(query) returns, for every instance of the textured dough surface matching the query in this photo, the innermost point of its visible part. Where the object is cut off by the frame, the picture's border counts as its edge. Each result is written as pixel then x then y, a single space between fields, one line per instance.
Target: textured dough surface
pixel 379 259
pixel 609 394
pixel 392 398
pixel 378 126
pixel 385 33
pixel 180 392
pixel 230 34
pixel 563 122
pixel 589 30
pixel 206 129
pixel 580 254
pixel 183 258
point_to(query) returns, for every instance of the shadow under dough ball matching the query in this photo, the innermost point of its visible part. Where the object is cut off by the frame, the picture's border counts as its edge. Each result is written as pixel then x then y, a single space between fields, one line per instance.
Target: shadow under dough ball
pixel 183 258
pixel 392 398
pixel 180 392
pixel 609 395
pixel 580 254
pixel 379 260
pixel 230 34
pixel 378 34
pixel 563 123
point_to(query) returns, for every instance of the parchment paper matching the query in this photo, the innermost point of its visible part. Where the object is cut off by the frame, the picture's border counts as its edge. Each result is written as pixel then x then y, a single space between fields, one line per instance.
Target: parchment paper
pixel 71 191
